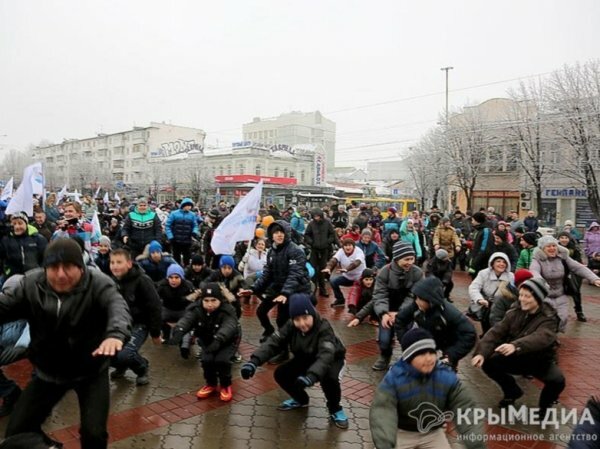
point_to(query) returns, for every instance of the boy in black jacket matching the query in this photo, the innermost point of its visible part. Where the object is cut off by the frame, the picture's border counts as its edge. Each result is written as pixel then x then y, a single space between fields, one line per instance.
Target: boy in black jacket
pixel 144 304
pixel 318 357
pixel 216 326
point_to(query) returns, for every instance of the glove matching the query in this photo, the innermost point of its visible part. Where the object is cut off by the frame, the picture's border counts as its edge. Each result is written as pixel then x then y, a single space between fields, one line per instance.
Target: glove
pixel 304 382
pixel 214 346
pixel 248 370
pixel 176 336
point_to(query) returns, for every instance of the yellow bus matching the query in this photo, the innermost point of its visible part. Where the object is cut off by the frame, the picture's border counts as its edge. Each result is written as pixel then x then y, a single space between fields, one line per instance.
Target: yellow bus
pixel 404 205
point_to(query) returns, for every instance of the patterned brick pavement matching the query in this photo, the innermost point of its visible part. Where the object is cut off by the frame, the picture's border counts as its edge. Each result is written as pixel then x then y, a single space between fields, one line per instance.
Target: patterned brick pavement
pixel 166 413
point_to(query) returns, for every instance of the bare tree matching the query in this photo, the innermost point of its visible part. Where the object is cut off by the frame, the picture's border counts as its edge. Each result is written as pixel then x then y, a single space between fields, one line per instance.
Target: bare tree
pixel 574 94
pixel 527 127
pixel 14 163
pixel 465 149
pixel 200 182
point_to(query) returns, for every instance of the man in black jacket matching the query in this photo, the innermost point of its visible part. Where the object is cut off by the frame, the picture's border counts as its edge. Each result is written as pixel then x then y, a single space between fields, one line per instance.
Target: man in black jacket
pixel 483 244
pixel 284 274
pixel 319 237
pixel 453 333
pixel 78 320
pixel 144 303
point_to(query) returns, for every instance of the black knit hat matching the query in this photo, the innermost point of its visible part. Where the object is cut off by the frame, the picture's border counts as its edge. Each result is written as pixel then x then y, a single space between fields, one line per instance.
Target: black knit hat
pixel 538 287
pixel 415 342
pixel 402 249
pixel 63 250
pixel 212 290
pixel 367 273
pixel 197 259
pixel 430 289
pixel 300 304
pixel 479 217
pixel 530 237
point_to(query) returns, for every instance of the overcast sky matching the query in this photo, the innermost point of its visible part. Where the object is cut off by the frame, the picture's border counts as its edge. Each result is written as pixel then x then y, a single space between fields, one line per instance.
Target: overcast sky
pixel 71 69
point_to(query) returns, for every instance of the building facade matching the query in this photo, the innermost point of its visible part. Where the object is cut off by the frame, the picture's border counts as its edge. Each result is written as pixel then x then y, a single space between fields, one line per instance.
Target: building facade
pixel 294 128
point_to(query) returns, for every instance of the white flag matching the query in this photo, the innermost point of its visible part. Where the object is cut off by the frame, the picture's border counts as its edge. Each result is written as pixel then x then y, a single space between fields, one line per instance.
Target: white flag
pixel 77 196
pixel 61 194
pixel 7 192
pixel 117 198
pixel 105 199
pixel 37 179
pixel 239 225
pixel 96 229
pixel 97 193
pixel 23 199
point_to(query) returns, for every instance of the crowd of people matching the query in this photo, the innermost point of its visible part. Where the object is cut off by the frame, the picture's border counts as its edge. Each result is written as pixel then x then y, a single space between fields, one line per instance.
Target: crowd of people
pixel 86 284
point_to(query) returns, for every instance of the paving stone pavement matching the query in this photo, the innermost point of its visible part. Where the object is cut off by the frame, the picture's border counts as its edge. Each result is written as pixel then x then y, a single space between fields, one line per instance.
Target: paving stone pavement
pixel 166 414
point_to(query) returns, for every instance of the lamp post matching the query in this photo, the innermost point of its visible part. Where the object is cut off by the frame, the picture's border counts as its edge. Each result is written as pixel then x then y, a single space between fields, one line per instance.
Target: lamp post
pixel 446 69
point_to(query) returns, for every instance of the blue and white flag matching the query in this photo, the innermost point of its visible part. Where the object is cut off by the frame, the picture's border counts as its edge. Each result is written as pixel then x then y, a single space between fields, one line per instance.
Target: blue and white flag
pixel 7 192
pixel 97 193
pixel 96 229
pixel 240 224
pixel 37 178
pixel 105 199
pixel 117 198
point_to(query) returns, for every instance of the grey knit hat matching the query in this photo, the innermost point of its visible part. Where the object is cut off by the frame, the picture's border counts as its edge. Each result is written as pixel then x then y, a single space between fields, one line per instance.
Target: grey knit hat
pixel 401 250
pixel 546 240
pixel 538 287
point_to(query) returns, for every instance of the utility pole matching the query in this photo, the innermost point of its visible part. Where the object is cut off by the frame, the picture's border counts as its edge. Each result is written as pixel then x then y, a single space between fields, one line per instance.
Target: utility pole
pixel 446 69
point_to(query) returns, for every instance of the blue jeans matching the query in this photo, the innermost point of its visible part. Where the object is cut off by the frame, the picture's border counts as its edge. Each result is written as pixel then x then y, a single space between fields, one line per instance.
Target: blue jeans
pixel 336 283
pixel 386 340
pixel 129 356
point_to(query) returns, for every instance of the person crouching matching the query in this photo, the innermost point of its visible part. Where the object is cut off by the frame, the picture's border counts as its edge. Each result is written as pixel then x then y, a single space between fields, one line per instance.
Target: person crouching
pixel 216 327
pixel 318 357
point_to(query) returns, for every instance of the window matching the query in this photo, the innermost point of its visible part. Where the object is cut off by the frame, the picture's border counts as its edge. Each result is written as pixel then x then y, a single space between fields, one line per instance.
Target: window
pixel 276 172
pixel 257 170
pixel 220 170
pixel 302 175
pixel 285 172
pixel 229 170
pixel 241 169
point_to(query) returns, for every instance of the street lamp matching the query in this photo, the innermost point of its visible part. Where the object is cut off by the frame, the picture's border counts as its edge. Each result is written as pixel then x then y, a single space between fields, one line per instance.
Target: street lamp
pixel 446 69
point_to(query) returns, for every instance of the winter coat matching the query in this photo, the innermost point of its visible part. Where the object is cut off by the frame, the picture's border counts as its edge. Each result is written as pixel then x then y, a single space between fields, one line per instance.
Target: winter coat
pixel 19 254
pixel 220 325
pixel 142 299
pixel 374 255
pixel 388 247
pixel 392 287
pixel 175 298
pixel 297 223
pixel 181 225
pixel 102 261
pixel 65 329
pixel 319 234
pixel 483 247
pixel 531 224
pixel 285 272
pixel 157 271
pixel 233 283
pixel 197 278
pixel 503 302
pixel 46 229
pixel 411 237
pixel 253 262
pixel 447 239
pixel 486 285
pixel 141 229
pixel 340 220
pixel 453 333
pixel 359 295
pixel 391 222
pixel 525 258
pixel 591 241
pixel 405 390
pixel 508 249
pixel 534 335
pixel 553 271
pixel 441 269
pixel 317 349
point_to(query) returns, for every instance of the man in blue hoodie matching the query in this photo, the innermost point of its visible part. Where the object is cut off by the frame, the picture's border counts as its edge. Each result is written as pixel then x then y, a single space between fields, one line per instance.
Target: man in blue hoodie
pixel 181 225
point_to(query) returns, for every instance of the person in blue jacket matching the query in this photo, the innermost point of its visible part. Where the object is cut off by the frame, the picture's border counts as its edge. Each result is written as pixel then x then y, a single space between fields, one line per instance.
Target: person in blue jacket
pixel 181 226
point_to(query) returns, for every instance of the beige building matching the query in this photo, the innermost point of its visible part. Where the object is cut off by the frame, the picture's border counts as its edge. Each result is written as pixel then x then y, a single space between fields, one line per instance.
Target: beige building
pixel 294 128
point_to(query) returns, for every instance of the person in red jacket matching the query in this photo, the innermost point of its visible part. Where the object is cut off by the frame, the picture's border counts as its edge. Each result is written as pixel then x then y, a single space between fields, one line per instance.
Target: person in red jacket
pixel 361 292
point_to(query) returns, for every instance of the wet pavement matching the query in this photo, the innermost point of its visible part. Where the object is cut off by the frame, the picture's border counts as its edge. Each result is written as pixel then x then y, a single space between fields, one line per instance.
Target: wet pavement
pixel 166 414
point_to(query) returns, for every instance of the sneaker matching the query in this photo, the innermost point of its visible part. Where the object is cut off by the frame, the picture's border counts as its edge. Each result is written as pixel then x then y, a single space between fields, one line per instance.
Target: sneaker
pixel 340 419
pixel 237 358
pixel 581 317
pixel 119 373
pixel 226 394
pixel 338 303
pixel 279 358
pixel 352 309
pixel 142 378
pixel 290 404
pixel 381 364
pixel 205 391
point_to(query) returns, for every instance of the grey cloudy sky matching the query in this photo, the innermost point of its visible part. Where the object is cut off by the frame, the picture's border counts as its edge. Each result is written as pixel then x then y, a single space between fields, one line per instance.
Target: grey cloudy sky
pixel 71 69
